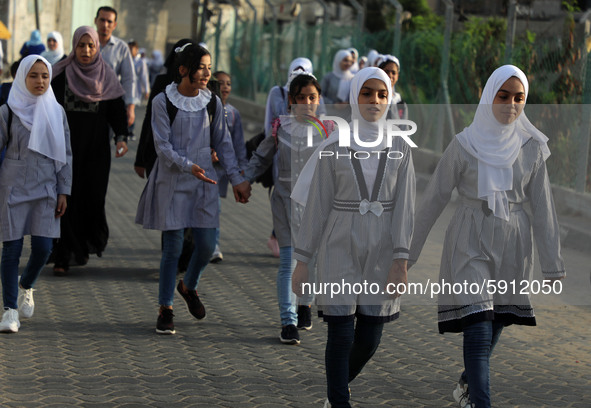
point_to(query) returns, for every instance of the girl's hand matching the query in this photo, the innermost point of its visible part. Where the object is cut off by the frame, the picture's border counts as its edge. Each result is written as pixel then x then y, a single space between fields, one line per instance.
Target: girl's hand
pixel 397 278
pixel 200 174
pixel 299 277
pixel 62 204
pixel 120 149
pixel 242 192
pixel 130 115
pixel 214 156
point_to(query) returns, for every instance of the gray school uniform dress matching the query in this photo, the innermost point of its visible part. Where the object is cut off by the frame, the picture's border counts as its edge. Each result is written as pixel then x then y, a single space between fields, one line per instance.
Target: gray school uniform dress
pixel 277 105
pixel 358 233
pixel 173 198
pixel 292 154
pixel 29 184
pixel 330 88
pixel 234 122
pixel 480 247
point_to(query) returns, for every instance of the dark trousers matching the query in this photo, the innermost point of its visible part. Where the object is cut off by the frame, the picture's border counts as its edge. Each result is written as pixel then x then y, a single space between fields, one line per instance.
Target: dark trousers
pixel 348 348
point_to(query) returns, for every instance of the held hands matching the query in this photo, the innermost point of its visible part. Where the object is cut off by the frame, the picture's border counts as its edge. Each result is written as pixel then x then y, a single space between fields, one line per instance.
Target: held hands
pixel 62 204
pixel 299 277
pixel 120 149
pixel 200 174
pixel 242 192
pixel 397 278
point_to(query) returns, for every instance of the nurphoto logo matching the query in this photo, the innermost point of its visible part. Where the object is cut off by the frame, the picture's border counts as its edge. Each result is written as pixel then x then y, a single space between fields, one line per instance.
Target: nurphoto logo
pixel 393 128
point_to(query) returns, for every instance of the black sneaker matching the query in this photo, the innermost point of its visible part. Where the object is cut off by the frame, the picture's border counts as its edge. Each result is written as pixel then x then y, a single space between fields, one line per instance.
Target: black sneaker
pixel 289 335
pixel 304 317
pixel 194 305
pixel 164 324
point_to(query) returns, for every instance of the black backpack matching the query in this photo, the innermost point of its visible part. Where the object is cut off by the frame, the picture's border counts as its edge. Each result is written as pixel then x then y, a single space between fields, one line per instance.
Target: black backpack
pixel 8 125
pixel 266 179
pixel 146 154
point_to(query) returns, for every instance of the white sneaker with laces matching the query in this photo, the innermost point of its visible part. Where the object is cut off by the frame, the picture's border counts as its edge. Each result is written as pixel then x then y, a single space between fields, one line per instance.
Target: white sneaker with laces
pixel 461 395
pixel 10 322
pixel 25 302
pixel 326 404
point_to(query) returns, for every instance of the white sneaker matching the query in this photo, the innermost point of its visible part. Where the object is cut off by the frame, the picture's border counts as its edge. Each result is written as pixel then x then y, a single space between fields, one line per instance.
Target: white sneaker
pixel 25 302
pixel 10 322
pixel 461 395
pixel 326 404
pixel 217 257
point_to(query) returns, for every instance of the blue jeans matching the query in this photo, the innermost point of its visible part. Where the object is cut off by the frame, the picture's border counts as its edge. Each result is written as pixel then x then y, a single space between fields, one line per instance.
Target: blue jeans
pixel 308 298
pixel 348 349
pixel 479 342
pixel 11 253
pixel 172 246
pixel 217 241
pixel 217 230
pixel 285 296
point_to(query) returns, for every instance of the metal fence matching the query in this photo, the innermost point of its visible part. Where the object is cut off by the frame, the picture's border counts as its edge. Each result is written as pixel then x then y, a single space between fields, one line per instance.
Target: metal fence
pixel 438 66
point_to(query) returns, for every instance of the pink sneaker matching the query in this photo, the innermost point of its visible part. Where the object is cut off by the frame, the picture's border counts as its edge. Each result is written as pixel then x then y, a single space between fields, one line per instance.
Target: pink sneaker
pixel 273 246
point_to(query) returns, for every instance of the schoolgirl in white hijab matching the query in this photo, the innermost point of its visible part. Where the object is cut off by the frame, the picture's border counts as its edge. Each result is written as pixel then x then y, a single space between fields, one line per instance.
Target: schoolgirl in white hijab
pixel 301 62
pixel 277 100
pixel 499 158
pixel 371 57
pixel 360 227
pixel 54 56
pixel 41 115
pixel 38 200
pixel 497 145
pixel 355 54
pixel 335 84
pixel 345 76
pixel 366 132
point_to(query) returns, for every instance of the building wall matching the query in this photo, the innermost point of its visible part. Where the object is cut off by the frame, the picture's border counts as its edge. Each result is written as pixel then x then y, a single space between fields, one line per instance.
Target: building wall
pixel 154 24
pixel 145 21
pixel 19 18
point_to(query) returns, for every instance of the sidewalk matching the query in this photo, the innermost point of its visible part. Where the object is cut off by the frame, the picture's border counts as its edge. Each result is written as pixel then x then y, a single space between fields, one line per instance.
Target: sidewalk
pixel 92 343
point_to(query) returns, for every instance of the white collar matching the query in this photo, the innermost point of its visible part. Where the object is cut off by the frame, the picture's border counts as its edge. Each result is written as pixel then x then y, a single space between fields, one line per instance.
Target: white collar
pixel 188 103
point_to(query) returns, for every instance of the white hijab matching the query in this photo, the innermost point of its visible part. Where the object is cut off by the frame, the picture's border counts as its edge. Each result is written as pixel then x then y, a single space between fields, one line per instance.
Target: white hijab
pixel 371 57
pixel 344 76
pixel 355 67
pixel 391 58
pixel 367 131
pixel 293 74
pixel 495 145
pixel 54 56
pixel 300 62
pixel 41 115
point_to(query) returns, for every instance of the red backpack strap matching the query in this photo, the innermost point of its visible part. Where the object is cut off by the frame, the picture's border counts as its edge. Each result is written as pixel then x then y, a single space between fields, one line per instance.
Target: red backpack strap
pixel 329 125
pixel 274 127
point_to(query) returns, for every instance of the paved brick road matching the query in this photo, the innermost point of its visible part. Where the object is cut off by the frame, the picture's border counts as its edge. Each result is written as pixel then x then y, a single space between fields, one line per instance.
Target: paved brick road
pixel 91 342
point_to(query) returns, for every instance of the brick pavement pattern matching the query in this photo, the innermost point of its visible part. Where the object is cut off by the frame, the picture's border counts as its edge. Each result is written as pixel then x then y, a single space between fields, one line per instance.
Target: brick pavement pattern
pixel 92 342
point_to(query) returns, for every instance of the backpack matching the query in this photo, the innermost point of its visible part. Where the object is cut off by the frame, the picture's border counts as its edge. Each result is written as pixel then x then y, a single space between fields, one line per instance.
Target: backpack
pixel 266 179
pixel 146 155
pixel 8 125
pixel 251 145
pixel 211 108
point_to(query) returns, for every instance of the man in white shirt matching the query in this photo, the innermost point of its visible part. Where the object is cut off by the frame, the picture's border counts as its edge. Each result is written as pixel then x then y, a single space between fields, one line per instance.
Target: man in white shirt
pixel 116 53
